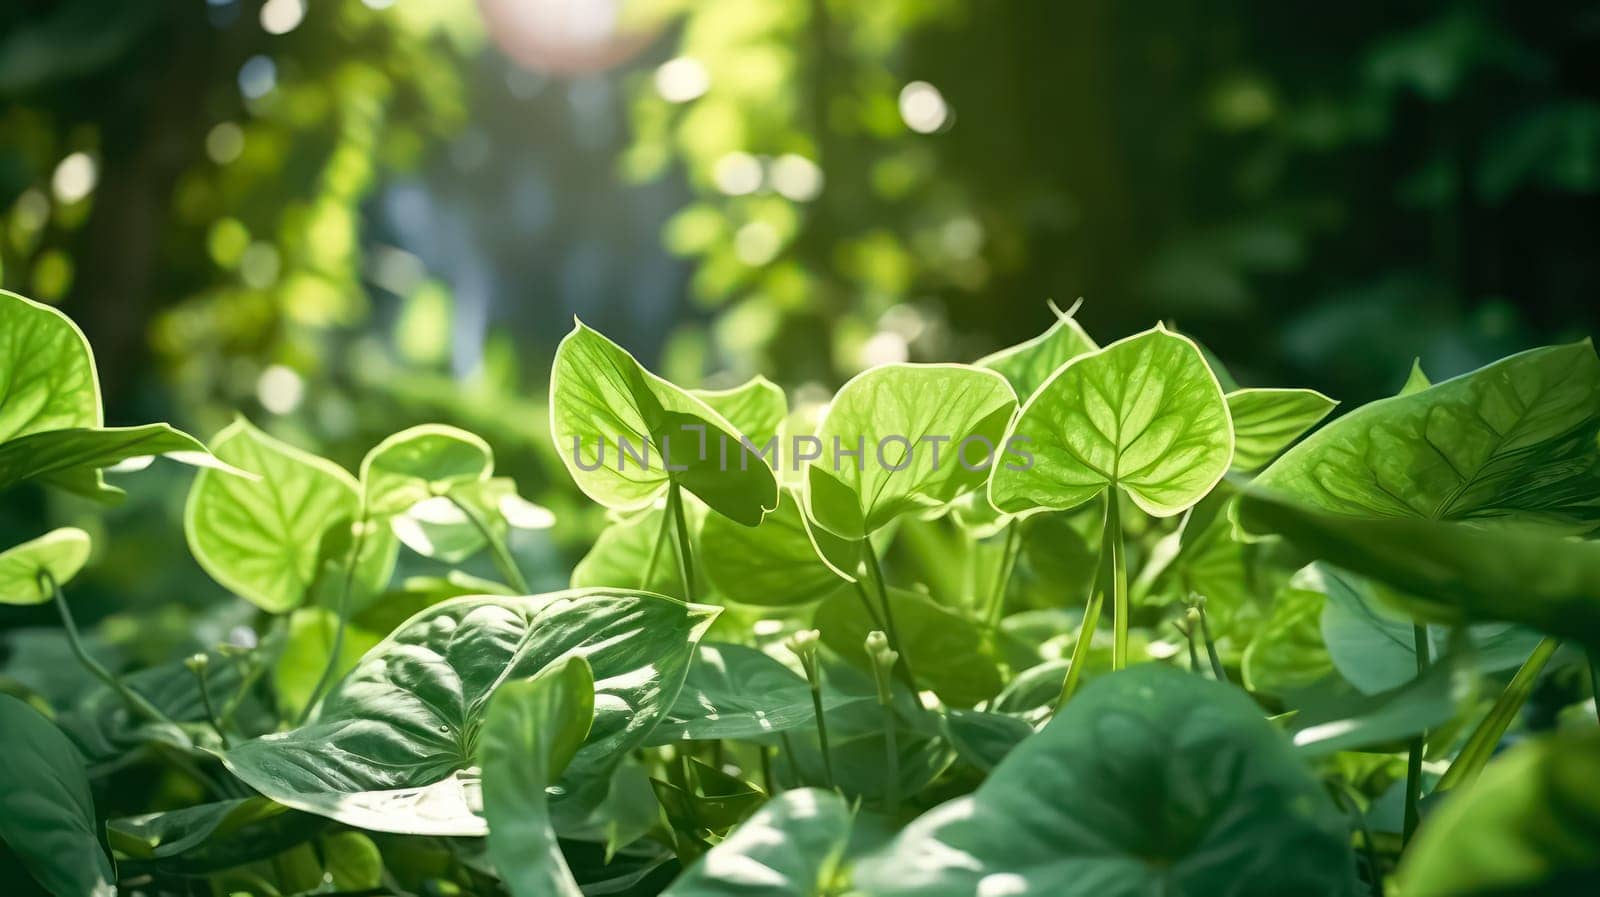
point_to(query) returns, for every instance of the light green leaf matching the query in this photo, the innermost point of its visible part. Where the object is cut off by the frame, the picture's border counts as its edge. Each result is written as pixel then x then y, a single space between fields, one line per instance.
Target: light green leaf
pixel 351 863
pixel 946 650
pixel 1028 364
pixel 533 729
pixel 1287 653
pixel 1514 440
pixel 1529 826
pixel 756 407
pixel 736 692
pixel 47 375
pixel 792 847
pixel 940 424
pixel 420 463
pixel 61 553
pixel 1353 721
pixel 1151 781
pixel 600 396
pixel 1417 380
pixel 771 565
pixel 1266 421
pixel 46 811
pixel 260 538
pixel 1451 572
pixel 64 457
pixel 1144 414
pixel 392 746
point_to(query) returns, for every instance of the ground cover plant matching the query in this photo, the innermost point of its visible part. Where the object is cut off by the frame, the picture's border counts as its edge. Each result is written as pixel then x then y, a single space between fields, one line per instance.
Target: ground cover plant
pixel 1137 630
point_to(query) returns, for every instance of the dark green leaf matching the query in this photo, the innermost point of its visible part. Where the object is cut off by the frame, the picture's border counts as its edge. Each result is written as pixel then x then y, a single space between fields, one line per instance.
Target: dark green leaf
pixel 46 812
pixel 791 847
pixel 948 652
pixel 740 693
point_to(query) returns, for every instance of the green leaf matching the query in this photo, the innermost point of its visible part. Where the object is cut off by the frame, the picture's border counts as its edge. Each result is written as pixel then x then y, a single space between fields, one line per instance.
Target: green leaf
pixel 1372 644
pixel 60 552
pixel 1348 722
pixel 351 863
pixel 1529 826
pixel 1515 439
pixel 1144 414
pixel 1451 572
pixel 1027 365
pixel 1417 380
pixel 948 651
pixel 1151 781
pixel 771 565
pixel 439 528
pixel 260 538
pixel 211 837
pixel 390 747
pixel 915 417
pixel 736 692
pixel 47 375
pixel 600 396
pixel 533 729
pixel 756 407
pixel 1266 421
pixel 792 847
pixel 46 811
pixel 1287 653
pixel 62 457
pixel 420 463
pixel 984 739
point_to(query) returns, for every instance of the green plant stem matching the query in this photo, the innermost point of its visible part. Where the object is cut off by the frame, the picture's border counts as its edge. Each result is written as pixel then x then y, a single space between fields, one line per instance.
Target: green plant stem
pixel 1112 538
pixel 876 569
pixel 1347 805
pixel 655 550
pixel 1002 579
pixel 765 755
pixel 814 676
pixel 1217 669
pixel 252 674
pixel 891 760
pixel 1080 651
pixel 498 550
pixel 1419 638
pixel 866 601
pixel 681 526
pixel 135 701
pixel 1188 638
pixel 340 612
pixel 202 677
pixel 1486 736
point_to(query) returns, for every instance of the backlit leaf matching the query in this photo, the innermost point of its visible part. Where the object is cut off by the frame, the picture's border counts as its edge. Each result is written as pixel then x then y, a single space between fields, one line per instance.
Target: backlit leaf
pixel 1266 421
pixel 61 553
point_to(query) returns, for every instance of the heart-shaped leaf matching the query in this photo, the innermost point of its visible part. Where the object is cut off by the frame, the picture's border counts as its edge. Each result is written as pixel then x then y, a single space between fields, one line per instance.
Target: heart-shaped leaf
pixel 47 375
pixel 902 438
pixel 1151 781
pixel 394 746
pixel 533 729
pixel 261 538
pixel 756 407
pixel 736 692
pixel 211 837
pixel 1027 365
pixel 792 847
pixel 1515 439
pixel 621 555
pixel 420 463
pixel 46 812
pixel 1266 421
pixel 60 553
pixel 775 564
pixel 600 397
pixel 1145 414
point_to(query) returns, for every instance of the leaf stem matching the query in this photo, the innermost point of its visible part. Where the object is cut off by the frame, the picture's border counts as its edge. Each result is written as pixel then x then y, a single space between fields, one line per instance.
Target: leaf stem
pixel 891 760
pixel 1419 638
pixel 1002 579
pixel 135 701
pixel 1080 650
pixel 1475 754
pixel 681 526
pixel 1112 536
pixel 1217 669
pixel 352 558
pixel 876 569
pixel 1594 677
pixel 655 550
pixel 200 667
pixel 866 601
pixel 498 550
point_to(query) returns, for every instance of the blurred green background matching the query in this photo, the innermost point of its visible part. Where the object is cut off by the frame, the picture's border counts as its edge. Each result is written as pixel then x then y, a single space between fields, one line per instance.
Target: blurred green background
pixel 343 217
